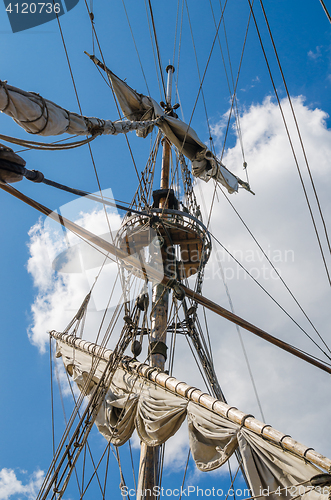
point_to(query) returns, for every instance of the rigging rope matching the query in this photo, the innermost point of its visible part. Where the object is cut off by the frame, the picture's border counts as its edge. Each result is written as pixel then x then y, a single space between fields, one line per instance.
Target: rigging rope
pixel 175 38
pixel 233 100
pixel 115 315
pixel 92 21
pixel 272 298
pixel 90 414
pixel 78 101
pixel 276 271
pixel 95 472
pixel 178 60
pixel 135 46
pixel 250 372
pixel 291 145
pixel 206 67
pixel 113 93
pixel 50 146
pixel 197 64
pixel 233 479
pixel 106 474
pixel 153 50
pixel 68 425
pixel 233 94
pixel 66 422
pixel 132 465
pixel 157 47
pixel 208 336
pixel 121 471
pixel 52 395
pixel 233 85
pixel 83 473
pixel 185 471
pixel 297 126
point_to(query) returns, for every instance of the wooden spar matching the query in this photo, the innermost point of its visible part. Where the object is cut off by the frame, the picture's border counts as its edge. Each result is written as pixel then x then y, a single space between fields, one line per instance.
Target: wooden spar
pixel 193 394
pixel 148 477
pixel 252 328
pixel 120 254
pixel 325 10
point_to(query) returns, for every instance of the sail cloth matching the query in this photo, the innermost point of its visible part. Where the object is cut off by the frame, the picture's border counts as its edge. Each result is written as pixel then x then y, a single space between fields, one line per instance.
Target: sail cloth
pixel 137 106
pixel 268 468
pixel 40 116
pixel 133 402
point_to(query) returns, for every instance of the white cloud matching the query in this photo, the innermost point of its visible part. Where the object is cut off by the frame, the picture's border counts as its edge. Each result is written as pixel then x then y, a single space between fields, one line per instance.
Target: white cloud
pixel 65 268
pixel 315 55
pixel 254 81
pixel 48 310
pixel 59 295
pixel 10 485
pixel 293 394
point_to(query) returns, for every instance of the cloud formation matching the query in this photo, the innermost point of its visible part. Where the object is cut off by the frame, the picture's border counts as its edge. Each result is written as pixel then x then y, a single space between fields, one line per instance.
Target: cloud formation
pixel 11 486
pixel 279 219
pixel 315 55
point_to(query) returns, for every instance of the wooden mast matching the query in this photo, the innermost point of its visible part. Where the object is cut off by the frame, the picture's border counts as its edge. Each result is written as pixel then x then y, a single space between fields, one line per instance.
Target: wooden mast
pixel 149 466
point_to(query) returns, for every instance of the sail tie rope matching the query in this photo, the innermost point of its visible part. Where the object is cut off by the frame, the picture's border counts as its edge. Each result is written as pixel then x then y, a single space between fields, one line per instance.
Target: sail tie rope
pixel 47 146
pixel 43 108
pixel 245 417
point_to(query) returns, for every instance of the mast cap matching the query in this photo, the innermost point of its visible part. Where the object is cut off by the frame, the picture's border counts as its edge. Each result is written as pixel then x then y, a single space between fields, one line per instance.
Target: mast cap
pixel 170 67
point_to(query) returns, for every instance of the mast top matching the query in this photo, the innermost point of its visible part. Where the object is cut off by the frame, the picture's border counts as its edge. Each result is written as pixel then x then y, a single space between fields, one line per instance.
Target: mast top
pixel 170 70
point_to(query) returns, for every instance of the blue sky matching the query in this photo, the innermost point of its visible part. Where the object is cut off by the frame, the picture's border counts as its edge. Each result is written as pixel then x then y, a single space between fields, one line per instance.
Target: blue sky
pixel 35 60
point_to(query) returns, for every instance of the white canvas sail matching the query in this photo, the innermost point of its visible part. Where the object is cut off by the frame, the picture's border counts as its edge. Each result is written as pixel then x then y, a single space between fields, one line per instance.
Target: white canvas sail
pixel 204 164
pixel 43 117
pixel 134 402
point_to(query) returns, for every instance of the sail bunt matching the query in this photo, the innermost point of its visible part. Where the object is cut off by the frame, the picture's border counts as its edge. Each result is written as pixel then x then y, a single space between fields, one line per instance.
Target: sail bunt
pixel 135 401
pixel 137 106
pixel 42 117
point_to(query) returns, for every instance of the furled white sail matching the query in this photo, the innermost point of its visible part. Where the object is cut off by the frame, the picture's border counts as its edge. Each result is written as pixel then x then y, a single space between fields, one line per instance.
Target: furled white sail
pixel 40 116
pixel 132 402
pixel 140 107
